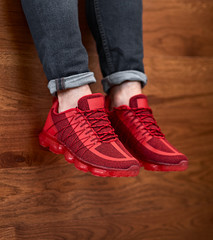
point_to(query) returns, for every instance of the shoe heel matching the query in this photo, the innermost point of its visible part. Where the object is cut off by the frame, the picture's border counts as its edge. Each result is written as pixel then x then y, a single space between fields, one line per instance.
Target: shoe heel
pixel 50 142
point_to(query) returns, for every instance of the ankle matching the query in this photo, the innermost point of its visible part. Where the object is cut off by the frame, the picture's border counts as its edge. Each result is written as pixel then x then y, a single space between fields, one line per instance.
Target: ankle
pixel 69 98
pixel 120 94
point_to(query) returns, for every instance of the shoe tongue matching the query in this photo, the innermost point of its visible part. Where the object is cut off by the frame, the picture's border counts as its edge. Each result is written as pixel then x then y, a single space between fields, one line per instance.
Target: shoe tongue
pixel 138 101
pixel 91 102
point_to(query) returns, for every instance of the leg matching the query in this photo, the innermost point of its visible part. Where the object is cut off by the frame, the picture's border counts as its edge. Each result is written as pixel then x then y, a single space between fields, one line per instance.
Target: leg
pixel 80 131
pixel 117 28
pixel 55 30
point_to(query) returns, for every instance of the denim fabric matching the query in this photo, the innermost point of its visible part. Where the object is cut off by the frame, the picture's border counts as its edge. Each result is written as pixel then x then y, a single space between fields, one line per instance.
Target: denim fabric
pixel 117 29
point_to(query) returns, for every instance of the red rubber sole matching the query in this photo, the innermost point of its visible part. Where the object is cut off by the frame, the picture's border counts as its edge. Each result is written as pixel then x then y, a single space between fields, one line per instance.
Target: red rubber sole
pixel 183 165
pixel 54 146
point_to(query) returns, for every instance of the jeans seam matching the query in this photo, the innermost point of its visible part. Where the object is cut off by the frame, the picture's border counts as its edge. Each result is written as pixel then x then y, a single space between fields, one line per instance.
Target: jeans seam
pixel 103 37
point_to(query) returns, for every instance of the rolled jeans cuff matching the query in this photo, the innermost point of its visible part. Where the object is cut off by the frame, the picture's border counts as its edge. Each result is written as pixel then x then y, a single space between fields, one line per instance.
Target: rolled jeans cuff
pixel 119 77
pixel 72 81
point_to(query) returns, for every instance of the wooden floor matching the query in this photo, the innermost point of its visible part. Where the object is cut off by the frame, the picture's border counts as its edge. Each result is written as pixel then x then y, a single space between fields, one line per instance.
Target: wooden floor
pixel 42 197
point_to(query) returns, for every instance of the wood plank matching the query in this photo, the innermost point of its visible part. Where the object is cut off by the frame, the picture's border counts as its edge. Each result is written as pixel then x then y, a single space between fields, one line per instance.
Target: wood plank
pixel 116 228
pixel 178 27
pixel 152 205
pixel 7 233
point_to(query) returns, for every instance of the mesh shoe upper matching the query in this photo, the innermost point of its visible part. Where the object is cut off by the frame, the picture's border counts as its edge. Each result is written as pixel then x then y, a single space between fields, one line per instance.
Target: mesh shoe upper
pixel 88 134
pixel 139 132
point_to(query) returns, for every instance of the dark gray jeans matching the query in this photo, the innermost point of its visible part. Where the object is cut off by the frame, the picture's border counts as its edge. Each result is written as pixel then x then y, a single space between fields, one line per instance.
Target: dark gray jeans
pixel 116 26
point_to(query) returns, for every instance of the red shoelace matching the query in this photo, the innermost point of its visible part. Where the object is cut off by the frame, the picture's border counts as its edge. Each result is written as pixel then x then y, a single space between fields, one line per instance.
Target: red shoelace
pixel 99 121
pixel 146 117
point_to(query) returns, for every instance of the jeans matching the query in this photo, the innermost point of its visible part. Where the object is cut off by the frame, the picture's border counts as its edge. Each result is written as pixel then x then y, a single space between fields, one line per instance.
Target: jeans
pixel 116 26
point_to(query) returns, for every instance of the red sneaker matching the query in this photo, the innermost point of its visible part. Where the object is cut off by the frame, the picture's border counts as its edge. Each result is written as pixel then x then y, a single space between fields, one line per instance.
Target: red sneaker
pixel 138 131
pixel 86 138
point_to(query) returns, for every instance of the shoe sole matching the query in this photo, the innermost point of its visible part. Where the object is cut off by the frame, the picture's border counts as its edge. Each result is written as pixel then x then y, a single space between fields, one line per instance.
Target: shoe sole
pixel 183 165
pixel 53 145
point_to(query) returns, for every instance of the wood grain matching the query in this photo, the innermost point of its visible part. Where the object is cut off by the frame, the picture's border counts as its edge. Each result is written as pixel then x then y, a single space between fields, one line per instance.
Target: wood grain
pixel 42 197
pixel 152 205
